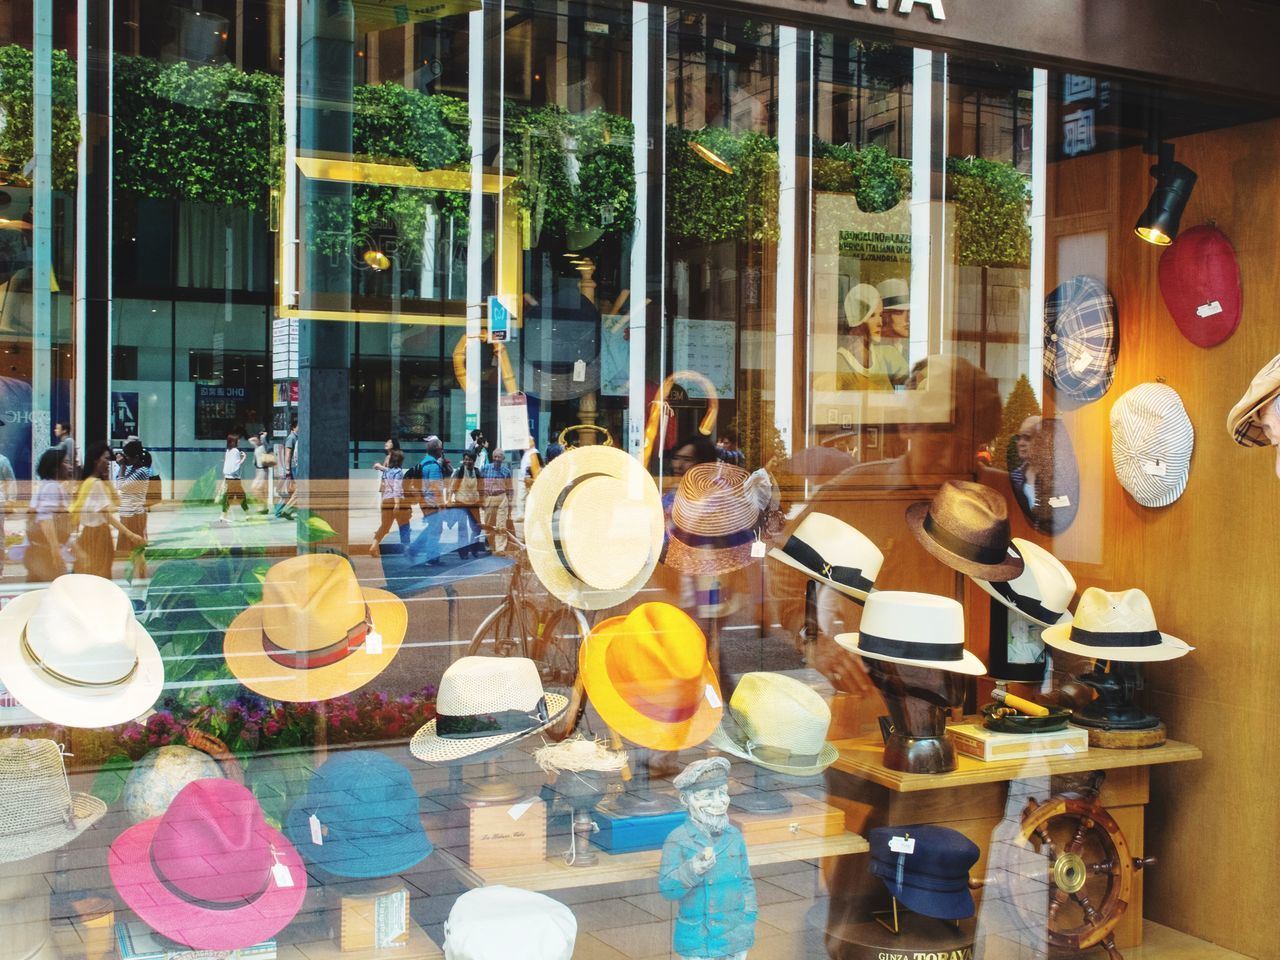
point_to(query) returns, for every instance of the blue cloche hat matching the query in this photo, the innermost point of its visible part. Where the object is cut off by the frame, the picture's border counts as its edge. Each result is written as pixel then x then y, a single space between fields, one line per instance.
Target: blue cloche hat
pixel 367 817
pixel 926 868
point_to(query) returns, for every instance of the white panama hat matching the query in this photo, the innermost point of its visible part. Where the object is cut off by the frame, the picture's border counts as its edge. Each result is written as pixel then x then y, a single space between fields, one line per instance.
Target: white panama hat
pixel 778 723
pixel 1042 593
pixel 830 551
pixel 915 629
pixel 1117 626
pixel 75 654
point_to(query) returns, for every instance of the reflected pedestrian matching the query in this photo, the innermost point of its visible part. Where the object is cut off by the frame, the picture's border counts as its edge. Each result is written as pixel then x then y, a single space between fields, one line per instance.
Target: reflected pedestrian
pixel 94 511
pixel 496 487
pixel 48 527
pixel 232 488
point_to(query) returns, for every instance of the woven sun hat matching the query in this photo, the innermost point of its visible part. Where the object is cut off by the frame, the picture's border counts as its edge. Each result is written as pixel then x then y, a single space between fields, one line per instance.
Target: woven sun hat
pixel 317 634
pixel 967 528
pixel 777 723
pixel 76 655
pixel 1244 422
pixel 359 817
pixel 826 549
pixel 501 923
pixel 1042 592
pixel 210 872
pixel 483 703
pixel 1151 443
pixel 593 527
pixel 1080 338
pixel 38 810
pixel 1200 283
pixel 160 776
pixel 648 676
pixel 1117 626
pixel 914 629
pixel 713 521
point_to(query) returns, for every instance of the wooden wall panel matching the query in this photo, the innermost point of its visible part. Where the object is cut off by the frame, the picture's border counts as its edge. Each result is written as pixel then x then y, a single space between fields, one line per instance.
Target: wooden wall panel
pixel 1209 562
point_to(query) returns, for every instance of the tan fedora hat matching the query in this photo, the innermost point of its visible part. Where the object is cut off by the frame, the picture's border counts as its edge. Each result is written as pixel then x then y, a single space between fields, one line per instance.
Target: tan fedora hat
pixel 313 635
pixel 778 723
pixel 713 521
pixel 967 528
pixel 1244 422
pixel 593 527
pixel 38 810
pixel 1117 626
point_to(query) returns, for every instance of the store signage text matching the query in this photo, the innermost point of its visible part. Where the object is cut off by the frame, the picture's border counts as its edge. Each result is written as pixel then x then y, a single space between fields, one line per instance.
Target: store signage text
pixel 903 7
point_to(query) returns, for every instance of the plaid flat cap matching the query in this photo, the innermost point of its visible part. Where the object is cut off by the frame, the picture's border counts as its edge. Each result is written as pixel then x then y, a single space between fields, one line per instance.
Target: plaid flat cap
pixel 1080 338
pixel 1244 421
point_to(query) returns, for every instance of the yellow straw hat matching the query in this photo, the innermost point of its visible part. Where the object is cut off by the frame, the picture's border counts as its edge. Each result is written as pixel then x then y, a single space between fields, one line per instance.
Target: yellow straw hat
pixel 316 634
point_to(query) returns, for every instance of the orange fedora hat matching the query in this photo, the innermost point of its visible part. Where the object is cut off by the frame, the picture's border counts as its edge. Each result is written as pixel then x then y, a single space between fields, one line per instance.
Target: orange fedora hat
pixel 648 676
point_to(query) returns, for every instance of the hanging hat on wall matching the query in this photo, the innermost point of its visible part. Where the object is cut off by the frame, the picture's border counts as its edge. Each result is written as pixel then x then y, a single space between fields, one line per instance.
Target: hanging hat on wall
pixel 967 528
pixel 362 809
pixel 210 872
pixel 1056 484
pixel 593 526
pixel 317 634
pixel 76 655
pixel 826 549
pixel 778 723
pixel 1151 444
pixel 1115 626
pixel 1080 338
pixel 1200 284
pixel 1043 591
pixel 1244 422
pixel 914 629
pixel 483 703
pixel 499 923
pixel 926 868
pixel 38 810
pixel 648 676
pixel 713 521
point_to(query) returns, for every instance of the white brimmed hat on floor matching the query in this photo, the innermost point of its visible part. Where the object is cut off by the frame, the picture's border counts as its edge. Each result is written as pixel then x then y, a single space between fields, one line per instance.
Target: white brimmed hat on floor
pixel 503 923
pixel 1117 626
pixel 1042 592
pixel 483 703
pixel 830 551
pixel 914 629
pixel 76 655
pixel 593 526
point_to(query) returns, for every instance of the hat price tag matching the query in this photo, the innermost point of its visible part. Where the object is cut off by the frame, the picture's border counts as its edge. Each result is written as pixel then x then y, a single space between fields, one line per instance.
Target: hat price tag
pixel 713 697
pixel 757 548
pixel 1155 468
pixel 373 643
pixel 1058 502
pixel 520 809
pixel 579 370
pixel 905 845
pixel 317 831
pixel 280 872
pixel 1210 309
pixel 1082 363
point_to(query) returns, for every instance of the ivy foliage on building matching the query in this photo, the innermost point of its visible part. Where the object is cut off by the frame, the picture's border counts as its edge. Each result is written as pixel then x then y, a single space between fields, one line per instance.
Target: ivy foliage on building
pixel 991 227
pixel 17 115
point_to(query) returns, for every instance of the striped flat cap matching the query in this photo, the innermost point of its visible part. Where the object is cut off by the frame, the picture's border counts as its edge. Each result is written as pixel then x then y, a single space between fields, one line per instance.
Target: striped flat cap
pixel 1151 443
pixel 1080 338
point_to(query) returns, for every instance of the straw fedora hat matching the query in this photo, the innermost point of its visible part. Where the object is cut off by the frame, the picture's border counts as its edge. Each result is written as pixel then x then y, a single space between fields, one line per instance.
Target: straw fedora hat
pixel 593 527
pixel 312 636
pixel 38 810
pixel 210 872
pixel 647 675
pixel 967 528
pixel 915 629
pixel 1042 592
pixel 826 549
pixel 713 521
pixel 1117 626
pixel 777 723
pixel 483 703
pixel 1244 422
pixel 76 655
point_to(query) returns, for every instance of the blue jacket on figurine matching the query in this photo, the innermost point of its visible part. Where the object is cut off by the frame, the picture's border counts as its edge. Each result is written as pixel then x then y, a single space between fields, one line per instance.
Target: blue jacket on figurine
pixel 717 910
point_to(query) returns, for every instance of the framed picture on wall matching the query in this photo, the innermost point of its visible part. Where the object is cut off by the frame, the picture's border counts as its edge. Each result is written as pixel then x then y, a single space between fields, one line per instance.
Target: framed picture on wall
pixel 1016 651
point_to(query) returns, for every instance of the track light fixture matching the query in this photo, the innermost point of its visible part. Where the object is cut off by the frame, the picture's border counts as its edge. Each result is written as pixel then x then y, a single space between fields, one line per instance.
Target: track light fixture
pixel 1174 182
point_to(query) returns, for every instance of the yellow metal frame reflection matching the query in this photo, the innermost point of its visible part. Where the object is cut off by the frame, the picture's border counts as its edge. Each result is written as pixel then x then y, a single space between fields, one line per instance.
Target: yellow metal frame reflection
pixel 510 246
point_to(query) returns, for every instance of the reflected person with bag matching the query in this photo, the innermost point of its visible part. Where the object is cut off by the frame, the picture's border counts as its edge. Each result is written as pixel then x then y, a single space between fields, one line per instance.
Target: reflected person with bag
pixel 464 491
pixel 49 521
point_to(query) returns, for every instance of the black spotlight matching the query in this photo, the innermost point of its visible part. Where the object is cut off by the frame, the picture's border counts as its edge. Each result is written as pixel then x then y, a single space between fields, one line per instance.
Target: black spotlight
pixel 1174 181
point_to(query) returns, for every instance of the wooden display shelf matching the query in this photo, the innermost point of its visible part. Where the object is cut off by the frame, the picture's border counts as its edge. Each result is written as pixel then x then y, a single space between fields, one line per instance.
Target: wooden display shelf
pixel 865 758
pixel 554 874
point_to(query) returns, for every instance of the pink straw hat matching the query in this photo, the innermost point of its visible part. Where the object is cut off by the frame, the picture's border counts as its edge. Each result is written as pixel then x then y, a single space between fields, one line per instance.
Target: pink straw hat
pixel 210 873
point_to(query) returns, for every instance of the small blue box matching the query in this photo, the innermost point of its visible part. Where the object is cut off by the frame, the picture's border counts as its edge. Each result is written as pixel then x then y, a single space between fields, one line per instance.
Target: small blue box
pixel 620 834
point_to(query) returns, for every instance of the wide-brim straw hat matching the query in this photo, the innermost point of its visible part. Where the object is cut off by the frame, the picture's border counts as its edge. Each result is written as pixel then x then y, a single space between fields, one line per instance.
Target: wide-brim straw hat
pixel 309 638
pixel 1042 593
pixel 913 629
pixel 39 811
pixel 828 550
pixel 777 723
pixel 75 654
pixel 1118 626
pixel 966 526
pixel 648 676
pixel 714 521
pixel 593 527
pixel 1244 422
pixel 479 694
